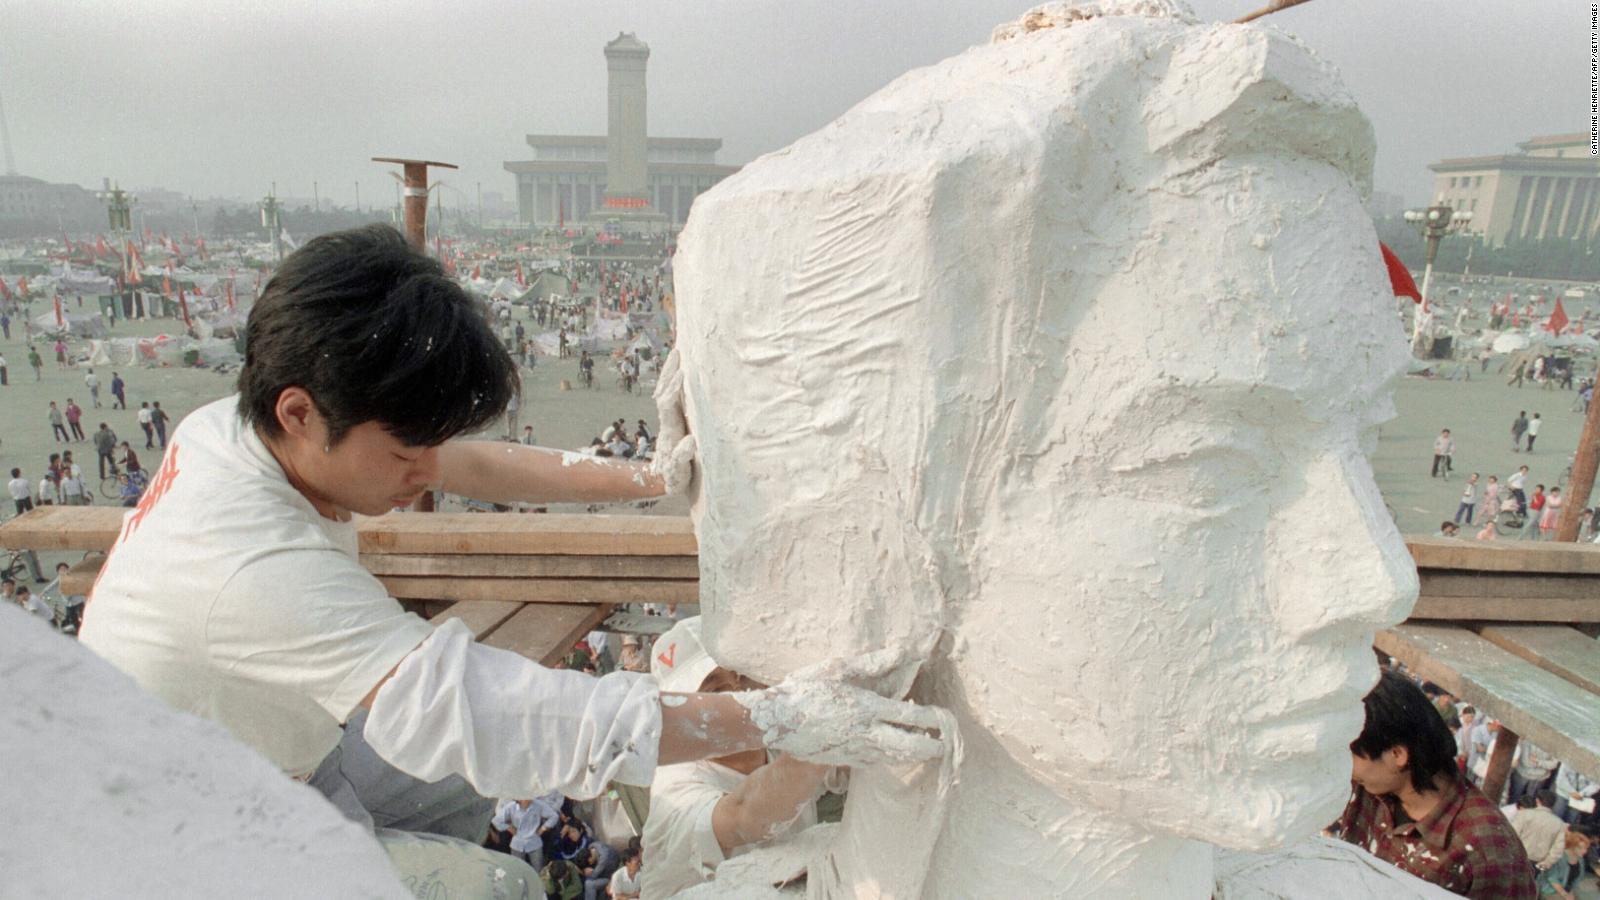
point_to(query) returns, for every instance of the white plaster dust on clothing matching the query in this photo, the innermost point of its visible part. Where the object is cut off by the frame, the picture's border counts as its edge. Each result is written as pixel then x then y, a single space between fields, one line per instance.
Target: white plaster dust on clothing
pixel 1055 358
pixel 1317 869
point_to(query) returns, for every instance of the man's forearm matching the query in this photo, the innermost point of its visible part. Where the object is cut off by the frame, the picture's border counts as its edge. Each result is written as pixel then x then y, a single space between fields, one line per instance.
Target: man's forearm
pixel 703 726
pixel 516 473
pixel 771 796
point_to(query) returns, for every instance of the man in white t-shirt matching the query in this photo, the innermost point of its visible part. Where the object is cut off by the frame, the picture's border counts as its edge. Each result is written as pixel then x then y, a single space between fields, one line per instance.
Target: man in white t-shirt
pixel 703 812
pixel 363 360
pixel 625 881
pixel 1534 425
pixel 21 491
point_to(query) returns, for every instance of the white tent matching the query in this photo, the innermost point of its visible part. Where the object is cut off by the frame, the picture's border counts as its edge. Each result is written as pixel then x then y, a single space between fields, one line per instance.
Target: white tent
pixel 1511 342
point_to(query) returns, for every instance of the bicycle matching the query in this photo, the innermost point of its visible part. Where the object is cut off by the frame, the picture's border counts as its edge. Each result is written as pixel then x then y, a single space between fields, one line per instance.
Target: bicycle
pixel 587 377
pixel 111 485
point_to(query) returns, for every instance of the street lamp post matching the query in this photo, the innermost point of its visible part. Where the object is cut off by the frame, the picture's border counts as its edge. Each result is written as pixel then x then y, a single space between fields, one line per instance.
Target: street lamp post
pixel 119 212
pixel 1434 222
pixel 269 221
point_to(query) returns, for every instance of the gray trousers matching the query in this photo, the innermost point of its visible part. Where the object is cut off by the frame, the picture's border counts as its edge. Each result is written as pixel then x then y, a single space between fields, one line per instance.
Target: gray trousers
pixel 431 831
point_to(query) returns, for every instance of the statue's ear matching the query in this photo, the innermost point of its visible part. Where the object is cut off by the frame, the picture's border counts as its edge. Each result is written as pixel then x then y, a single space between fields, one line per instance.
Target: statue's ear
pixel 1233 90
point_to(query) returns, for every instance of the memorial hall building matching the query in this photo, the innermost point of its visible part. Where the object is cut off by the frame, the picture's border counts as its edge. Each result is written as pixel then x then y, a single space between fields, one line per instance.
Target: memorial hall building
pixel 623 174
pixel 1550 189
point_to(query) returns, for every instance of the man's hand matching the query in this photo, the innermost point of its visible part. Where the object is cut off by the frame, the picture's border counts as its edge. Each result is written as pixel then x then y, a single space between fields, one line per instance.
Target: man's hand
pixel 675 446
pixel 819 714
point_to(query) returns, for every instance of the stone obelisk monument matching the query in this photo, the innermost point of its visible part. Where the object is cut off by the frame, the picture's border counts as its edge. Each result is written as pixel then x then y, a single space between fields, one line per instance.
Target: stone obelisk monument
pixel 627 196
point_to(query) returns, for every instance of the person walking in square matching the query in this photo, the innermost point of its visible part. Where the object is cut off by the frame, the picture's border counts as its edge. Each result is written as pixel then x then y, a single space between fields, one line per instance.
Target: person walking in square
pixel 92 381
pixel 74 413
pixel 105 444
pixel 118 390
pixel 37 362
pixel 159 419
pixel 21 491
pixel 1551 517
pixel 1443 447
pixel 1533 430
pixel 58 424
pixel 1469 498
pixel 1518 426
pixel 144 423
pixel 5 373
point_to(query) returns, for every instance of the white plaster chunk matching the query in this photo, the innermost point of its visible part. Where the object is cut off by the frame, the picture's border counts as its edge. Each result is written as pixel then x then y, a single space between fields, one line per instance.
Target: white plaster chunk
pixel 112 793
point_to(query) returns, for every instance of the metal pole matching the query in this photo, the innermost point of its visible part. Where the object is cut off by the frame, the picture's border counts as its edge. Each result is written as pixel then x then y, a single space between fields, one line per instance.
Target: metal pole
pixel 1583 471
pixel 415 195
pixel 358 197
pixel 480 204
pixel 316 197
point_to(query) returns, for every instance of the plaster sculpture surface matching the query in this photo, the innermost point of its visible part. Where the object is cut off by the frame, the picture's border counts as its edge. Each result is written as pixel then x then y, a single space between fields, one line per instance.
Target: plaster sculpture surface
pixel 1053 366
pixel 111 793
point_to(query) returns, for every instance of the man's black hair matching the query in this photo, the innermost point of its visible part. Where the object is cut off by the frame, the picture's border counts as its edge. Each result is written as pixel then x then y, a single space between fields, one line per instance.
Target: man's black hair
pixel 374 331
pixel 1546 798
pixel 1398 715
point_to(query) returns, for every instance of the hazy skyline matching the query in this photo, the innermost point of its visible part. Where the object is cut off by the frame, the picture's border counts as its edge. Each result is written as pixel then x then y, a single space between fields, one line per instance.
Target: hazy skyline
pixel 222 101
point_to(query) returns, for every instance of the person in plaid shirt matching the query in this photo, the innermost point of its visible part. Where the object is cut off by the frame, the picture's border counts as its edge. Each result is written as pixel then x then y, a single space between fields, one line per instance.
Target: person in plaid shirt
pixel 1410 807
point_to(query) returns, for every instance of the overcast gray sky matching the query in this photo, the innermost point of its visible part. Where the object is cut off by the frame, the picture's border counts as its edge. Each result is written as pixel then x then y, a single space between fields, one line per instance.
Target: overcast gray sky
pixel 220 99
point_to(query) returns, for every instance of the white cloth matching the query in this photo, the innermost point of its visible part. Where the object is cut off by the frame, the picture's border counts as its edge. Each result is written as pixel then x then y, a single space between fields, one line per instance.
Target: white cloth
pixel 144 415
pixel 680 848
pixel 72 484
pixel 511 727
pixel 48 491
pixel 229 596
pixel 1533 426
pixel 21 488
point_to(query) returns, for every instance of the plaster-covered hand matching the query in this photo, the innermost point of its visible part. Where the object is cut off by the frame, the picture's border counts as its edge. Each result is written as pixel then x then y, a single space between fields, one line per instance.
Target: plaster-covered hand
pixel 675 446
pixel 819 715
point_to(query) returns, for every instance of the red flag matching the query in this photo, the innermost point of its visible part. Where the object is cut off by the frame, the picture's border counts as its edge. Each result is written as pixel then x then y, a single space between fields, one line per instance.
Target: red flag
pixel 477 272
pixel 1558 319
pixel 521 282
pixel 230 289
pixel 183 307
pixel 100 248
pixel 5 289
pixel 22 285
pixel 60 319
pixel 135 265
pixel 166 285
pixel 561 217
pixel 1399 277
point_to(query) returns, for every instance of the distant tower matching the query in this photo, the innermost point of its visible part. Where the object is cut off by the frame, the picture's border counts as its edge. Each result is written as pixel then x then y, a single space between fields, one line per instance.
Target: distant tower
pixel 627 143
pixel 5 140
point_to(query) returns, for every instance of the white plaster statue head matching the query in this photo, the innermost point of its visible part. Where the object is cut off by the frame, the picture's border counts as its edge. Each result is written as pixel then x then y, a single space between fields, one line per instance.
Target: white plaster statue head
pixel 1055 362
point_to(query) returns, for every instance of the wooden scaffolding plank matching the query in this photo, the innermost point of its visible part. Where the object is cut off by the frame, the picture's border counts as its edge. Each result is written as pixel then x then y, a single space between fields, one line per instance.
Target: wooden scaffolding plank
pixel 518 566
pixel 545 632
pixel 1564 651
pixel 80 577
pixel 497 590
pixel 543 590
pixel 97 527
pixel 1541 707
pixel 480 616
pixel 1450 583
pixel 1505 556
pixel 64 528
pixel 528 534
pixel 1499 609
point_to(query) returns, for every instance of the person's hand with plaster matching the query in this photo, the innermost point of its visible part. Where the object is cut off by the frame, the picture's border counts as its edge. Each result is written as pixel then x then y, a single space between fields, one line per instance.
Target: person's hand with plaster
pixel 675 446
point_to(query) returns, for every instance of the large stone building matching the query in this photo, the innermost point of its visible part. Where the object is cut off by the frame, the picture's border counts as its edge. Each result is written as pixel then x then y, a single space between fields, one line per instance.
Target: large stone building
pixel 623 174
pixel 34 206
pixel 1551 189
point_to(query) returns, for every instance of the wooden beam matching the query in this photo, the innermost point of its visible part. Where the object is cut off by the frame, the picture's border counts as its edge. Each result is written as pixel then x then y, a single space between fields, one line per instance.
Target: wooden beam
pixel 528 534
pixel 1566 652
pixel 1505 556
pixel 97 527
pixel 480 616
pixel 546 632
pixel 1541 707
pixel 64 528
pixel 1451 583
pixel 1493 609
pixel 80 577
pixel 518 566
pixel 1500 755
pixel 543 590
